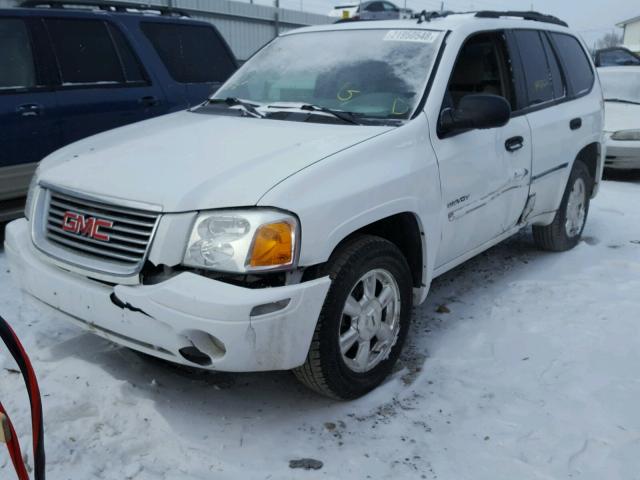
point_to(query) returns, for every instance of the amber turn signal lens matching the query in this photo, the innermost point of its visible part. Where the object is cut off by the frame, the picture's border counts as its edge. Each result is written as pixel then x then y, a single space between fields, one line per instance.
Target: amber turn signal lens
pixel 273 245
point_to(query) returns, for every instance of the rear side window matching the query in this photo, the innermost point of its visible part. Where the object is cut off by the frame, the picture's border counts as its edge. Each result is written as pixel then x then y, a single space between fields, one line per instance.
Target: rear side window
pixel 17 69
pixel 191 53
pixel 537 68
pixel 374 7
pixel 576 63
pixel 85 52
pixel 559 86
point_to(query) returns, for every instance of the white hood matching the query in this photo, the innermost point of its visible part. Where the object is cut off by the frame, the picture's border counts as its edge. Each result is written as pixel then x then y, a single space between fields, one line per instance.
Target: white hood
pixel 194 161
pixel 621 116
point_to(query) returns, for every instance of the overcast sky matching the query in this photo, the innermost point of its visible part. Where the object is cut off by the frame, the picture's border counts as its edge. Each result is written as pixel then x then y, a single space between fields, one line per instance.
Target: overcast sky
pixel 593 18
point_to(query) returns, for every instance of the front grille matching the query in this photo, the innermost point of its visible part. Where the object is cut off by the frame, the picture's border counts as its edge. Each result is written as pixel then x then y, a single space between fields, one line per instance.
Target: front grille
pixel 121 241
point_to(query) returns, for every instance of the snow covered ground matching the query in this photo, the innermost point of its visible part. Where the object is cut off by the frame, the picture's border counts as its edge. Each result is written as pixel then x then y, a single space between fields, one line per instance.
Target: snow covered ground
pixel 534 374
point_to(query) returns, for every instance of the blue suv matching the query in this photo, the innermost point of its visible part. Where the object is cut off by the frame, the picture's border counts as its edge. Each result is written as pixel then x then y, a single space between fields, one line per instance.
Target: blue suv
pixel 67 73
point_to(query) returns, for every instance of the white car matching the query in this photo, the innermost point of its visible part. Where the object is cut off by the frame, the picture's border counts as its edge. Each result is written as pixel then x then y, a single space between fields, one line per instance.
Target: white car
pixel 293 220
pixel 621 88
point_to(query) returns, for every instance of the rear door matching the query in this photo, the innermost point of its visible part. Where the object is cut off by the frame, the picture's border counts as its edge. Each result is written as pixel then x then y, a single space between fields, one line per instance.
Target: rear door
pixel 548 114
pixel 28 130
pixel 102 82
pixel 195 56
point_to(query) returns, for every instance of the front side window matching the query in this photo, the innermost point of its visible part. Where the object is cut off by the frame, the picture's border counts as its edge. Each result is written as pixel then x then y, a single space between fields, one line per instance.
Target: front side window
pixel 537 67
pixel 191 53
pixel 85 52
pixel 376 73
pixel 482 67
pixel 575 61
pixel 17 69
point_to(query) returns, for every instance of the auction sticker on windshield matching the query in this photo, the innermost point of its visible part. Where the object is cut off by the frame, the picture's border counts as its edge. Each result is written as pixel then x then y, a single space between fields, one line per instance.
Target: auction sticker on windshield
pixel 420 36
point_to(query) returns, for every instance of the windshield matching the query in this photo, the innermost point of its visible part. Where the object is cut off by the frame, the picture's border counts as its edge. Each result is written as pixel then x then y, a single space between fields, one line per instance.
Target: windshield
pixel 622 84
pixel 378 74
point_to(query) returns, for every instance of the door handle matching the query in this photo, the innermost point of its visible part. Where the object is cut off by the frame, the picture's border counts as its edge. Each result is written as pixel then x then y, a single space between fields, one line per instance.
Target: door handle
pixel 575 124
pixel 29 110
pixel 149 101
pixel 514 143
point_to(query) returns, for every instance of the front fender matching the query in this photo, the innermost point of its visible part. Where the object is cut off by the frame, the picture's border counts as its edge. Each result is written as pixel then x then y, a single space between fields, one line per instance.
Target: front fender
pixel 395 172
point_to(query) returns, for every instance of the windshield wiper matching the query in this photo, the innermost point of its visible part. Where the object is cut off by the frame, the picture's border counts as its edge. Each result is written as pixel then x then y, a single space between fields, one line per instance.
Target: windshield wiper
pixel 246 105
pixel 621 100
pixel 347 117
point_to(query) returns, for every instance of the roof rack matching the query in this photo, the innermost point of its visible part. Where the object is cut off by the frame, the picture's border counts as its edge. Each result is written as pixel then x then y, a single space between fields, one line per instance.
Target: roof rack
pixel 534 16
pixel 107 6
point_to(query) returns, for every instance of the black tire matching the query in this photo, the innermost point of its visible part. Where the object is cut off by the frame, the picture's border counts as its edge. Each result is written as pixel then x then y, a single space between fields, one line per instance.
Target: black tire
pixel 325 371
pixel 555 237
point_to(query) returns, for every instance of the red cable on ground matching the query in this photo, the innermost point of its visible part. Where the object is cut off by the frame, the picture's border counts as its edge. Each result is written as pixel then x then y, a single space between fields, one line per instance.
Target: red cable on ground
pixel 22 359
pixel 14 448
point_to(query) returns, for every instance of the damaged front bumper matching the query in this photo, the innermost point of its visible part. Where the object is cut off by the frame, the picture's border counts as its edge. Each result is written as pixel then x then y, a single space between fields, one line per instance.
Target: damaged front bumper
pixel 188 319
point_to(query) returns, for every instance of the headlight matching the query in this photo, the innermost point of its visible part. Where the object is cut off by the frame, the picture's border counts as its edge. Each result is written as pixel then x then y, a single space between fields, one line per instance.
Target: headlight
pixel 243 241
pixel 626 135
pixel 31 195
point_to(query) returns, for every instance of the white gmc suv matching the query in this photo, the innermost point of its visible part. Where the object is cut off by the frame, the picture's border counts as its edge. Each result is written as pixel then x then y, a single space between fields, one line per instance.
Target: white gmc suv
pixel 294 219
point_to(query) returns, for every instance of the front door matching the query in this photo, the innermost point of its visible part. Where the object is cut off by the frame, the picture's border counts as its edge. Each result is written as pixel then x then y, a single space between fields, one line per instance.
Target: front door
pixel 484 173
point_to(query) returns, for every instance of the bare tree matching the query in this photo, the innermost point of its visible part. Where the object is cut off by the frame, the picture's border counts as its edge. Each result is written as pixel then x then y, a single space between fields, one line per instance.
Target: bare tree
pixel 611 39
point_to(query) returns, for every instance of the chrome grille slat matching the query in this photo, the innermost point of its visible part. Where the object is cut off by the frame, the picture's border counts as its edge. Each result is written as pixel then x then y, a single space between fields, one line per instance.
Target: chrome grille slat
pixel 129 237
pixel 58 222
pixel 115 246
pixel 99 213
pixel 87 248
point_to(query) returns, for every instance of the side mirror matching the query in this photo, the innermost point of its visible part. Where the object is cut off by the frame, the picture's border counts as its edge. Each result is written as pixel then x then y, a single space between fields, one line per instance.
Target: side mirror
pixel 475 112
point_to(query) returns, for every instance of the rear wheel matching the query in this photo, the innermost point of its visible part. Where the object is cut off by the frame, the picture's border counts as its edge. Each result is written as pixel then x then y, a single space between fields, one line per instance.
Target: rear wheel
pixel 567 227
pixel 364 320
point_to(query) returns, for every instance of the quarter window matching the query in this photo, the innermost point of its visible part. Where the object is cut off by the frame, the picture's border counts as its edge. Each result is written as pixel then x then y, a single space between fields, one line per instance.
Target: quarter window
pixel 537 67
pixel 576 63
pixel 17 69
pixel 191 53
pixel 85 52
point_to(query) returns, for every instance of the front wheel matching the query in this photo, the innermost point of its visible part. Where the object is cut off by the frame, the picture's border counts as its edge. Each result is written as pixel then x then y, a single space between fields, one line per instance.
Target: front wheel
pixel 567 227
pixel 364 320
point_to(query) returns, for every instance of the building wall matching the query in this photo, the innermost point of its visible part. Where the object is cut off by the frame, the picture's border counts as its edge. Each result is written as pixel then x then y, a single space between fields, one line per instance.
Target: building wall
pixel 632 36
pixel 245 26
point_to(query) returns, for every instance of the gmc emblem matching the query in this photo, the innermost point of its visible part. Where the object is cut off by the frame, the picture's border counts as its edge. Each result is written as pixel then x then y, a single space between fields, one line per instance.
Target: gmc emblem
pixel 86 226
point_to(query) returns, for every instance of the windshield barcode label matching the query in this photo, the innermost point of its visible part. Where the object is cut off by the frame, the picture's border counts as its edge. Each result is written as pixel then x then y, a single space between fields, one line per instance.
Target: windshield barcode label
pixel 420 36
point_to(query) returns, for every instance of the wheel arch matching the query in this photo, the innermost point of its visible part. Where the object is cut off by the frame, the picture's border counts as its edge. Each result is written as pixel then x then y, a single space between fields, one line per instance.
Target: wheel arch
pixel 405 231
pixel 591 157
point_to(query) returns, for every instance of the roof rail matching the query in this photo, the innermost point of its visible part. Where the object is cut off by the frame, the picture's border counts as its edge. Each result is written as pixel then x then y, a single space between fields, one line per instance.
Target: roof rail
pixel 534 16
pixel 107 6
